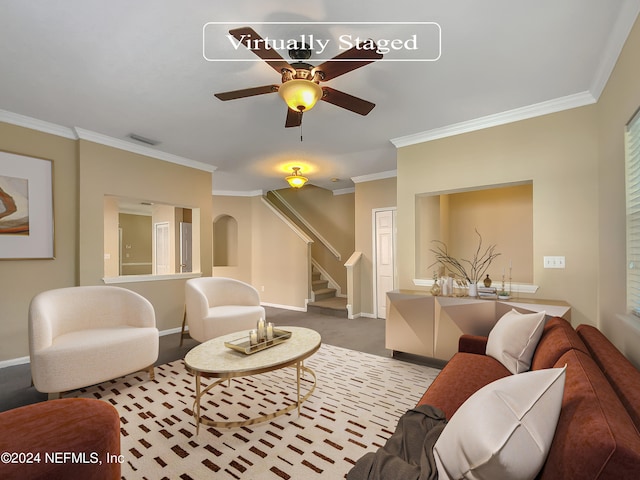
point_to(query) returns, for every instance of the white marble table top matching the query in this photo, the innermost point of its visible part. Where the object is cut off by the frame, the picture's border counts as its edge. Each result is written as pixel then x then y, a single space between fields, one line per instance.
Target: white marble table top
pixel 214 358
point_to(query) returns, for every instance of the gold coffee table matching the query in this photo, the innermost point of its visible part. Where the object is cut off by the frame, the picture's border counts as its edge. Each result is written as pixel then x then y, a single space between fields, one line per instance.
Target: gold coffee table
pixel 213 359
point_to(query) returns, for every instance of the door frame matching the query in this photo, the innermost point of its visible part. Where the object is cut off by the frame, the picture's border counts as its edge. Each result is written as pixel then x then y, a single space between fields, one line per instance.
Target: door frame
pixel 374 256
pixel 166 238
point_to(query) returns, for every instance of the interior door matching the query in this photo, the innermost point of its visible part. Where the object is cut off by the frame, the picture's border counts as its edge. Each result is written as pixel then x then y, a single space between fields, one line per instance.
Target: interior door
pixel 384 223
pixel 161 251
pixel 185 248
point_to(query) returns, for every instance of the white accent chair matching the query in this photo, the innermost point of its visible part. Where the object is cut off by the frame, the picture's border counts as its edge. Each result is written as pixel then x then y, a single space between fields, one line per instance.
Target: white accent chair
pixel 82 336
pixel 215 306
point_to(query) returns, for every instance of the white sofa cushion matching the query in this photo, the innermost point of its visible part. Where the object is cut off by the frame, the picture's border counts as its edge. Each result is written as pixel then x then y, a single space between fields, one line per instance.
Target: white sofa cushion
pixel 86 357
pixel 504 430
pixel 514 338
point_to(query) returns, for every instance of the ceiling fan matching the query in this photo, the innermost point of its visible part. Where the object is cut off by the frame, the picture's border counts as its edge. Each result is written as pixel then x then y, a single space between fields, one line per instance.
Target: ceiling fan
pixel 300 86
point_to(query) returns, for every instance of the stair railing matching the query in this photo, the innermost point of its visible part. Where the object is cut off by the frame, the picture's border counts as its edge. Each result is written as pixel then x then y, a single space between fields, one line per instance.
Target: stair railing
pixel 330 280
pixel 334 251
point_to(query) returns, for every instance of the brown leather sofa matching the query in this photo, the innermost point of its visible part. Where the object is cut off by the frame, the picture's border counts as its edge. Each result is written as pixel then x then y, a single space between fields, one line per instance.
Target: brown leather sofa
pixel 597 436
pixel 61 439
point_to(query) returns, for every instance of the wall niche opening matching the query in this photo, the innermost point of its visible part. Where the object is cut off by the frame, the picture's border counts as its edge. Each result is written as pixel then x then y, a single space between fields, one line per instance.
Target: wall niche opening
pixel 147 238
pixel 502 214
pixel 225 241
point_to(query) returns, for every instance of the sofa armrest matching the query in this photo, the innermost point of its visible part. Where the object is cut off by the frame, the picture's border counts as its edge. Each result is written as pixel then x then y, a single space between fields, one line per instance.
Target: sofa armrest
pixel 472 344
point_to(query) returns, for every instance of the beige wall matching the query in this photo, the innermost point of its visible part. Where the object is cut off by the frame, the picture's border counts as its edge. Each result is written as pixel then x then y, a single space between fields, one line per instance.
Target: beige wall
pixel 576 161
pixel 617 104
pixel 502 216
pixel 109 171
pixel 281 259
pixel 271 256
pixel 111 237
pixel 136 243
pixel 559 154
pixel 369 196
pixel 332 216
pixel 21 280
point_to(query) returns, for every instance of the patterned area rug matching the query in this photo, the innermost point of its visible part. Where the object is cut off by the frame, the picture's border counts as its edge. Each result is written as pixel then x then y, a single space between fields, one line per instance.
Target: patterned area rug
pixel 354 409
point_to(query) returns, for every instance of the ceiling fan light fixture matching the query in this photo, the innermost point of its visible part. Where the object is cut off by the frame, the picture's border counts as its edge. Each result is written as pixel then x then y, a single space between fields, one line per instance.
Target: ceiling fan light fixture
pixel 300 95
pixel 296 180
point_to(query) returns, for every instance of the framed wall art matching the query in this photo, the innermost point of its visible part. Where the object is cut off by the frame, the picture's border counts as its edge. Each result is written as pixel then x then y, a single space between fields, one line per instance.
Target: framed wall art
pixel 26 207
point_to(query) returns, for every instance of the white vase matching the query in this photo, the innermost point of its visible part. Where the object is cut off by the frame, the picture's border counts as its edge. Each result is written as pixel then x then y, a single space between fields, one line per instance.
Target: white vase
pixel 473 290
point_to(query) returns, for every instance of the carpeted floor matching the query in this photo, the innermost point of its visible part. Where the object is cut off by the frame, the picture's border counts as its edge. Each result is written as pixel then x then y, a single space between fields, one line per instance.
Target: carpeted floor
pixel 354 409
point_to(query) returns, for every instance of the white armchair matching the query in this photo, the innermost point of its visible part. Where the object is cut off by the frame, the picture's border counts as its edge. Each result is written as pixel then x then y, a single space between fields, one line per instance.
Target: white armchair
pixel 81 336
pixel 216 306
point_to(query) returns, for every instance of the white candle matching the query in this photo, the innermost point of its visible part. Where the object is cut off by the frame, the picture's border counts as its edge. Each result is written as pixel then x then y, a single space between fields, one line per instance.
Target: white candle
pixel 269 331
pixel 261 330
pixel 253 337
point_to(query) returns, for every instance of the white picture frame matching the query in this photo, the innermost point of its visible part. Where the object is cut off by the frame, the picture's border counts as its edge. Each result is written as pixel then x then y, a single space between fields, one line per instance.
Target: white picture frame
pixel 26 207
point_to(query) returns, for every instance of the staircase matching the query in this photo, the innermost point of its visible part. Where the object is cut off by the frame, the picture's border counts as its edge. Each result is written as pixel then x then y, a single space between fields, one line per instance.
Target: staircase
pixel 324 297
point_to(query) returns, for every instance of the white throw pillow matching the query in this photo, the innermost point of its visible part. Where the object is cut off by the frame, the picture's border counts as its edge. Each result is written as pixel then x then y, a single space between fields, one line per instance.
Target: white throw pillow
pixel 504 430
pixel 514 339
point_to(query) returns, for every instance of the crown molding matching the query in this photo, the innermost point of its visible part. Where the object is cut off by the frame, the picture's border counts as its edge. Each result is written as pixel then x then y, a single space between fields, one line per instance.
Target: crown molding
pixel 234 193
pixel 141 150
pixel 344 191
pixel 77 133
pixel 35 124
pixel 375 176
pixel 536 110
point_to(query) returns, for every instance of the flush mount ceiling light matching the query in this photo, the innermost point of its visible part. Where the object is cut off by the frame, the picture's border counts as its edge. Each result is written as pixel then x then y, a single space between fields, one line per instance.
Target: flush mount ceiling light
pixel 295 179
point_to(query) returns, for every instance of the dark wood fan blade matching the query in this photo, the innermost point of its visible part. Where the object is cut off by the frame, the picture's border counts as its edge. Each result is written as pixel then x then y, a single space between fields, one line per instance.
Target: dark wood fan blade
pixel 246 92
pixel 347 61
pixel 294 118
pixel 254 42
pixel 349 102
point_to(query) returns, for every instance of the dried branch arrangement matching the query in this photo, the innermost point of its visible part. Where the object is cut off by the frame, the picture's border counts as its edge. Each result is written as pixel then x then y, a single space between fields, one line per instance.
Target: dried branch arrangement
pixel 477 266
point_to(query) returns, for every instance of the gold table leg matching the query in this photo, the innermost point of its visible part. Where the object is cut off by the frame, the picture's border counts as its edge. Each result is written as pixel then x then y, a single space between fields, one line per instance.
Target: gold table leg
pixel 252 421
pixel 298 385
pixel 196 403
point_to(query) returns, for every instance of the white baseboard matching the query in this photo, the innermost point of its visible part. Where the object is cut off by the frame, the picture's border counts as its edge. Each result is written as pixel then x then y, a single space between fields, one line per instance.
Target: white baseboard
pixel 285 307
pixel 171 331
pixel 353 316
pixel 14 361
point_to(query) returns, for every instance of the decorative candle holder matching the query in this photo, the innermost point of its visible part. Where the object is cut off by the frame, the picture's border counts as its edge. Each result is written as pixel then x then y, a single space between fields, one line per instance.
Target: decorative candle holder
pixel 253 337
pixel 262 332
pixel 269 331
pixel 510 284
pixel 503 294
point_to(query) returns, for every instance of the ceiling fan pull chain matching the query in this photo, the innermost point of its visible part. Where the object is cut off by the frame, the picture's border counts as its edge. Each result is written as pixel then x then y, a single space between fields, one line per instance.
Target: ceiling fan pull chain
pixel 301 131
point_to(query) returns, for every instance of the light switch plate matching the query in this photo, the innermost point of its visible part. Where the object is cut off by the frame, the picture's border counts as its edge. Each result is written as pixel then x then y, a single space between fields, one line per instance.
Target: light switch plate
pixel 554 262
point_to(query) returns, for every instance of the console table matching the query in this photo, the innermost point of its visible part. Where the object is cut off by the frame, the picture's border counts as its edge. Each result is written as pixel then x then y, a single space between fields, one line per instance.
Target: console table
pixel 421 324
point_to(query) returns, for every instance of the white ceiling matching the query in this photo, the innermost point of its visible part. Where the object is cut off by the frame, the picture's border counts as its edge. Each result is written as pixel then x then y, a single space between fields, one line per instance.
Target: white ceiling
pixel 121 66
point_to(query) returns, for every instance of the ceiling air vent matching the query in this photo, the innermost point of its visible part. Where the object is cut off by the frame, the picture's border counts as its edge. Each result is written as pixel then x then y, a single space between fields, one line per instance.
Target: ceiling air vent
pixel 141 139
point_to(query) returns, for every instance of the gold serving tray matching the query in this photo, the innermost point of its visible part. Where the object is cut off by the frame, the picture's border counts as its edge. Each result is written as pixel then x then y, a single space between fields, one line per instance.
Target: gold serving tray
pixel 244 345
